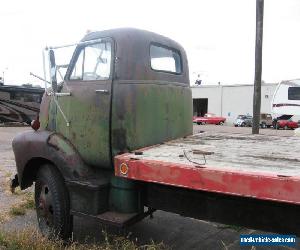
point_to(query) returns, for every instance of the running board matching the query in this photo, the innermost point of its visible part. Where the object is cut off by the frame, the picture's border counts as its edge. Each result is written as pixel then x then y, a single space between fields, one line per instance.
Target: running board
pixel 117 219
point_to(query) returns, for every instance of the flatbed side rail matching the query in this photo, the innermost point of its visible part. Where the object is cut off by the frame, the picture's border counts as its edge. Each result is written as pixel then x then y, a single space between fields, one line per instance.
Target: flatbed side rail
pixel 263 186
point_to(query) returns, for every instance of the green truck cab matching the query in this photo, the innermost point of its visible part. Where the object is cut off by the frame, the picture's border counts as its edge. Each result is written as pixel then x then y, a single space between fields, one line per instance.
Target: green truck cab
pixel 123 90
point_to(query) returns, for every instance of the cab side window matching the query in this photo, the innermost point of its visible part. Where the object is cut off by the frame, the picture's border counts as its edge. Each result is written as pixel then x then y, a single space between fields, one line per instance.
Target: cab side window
pixel 165 59
pixel 93 63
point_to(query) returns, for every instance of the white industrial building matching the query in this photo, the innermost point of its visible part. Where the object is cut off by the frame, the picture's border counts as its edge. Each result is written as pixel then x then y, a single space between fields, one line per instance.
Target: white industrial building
pixel 230 101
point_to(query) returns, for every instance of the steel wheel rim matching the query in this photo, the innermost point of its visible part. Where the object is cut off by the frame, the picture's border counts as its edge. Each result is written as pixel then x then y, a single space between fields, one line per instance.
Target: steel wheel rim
pixel 45 210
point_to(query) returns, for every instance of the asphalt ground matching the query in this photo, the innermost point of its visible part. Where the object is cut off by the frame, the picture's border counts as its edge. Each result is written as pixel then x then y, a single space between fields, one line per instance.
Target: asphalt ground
pixel 175 231
pixel 242 130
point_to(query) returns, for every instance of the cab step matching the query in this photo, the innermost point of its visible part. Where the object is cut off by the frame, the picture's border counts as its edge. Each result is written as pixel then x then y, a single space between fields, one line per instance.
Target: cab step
pixel 116 218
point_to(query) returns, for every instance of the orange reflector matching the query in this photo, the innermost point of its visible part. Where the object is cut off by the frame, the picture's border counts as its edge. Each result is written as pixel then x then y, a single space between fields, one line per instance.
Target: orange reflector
pixel 123 169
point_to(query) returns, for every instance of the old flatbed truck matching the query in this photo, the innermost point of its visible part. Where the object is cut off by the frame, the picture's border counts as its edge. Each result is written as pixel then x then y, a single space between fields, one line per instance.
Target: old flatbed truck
pixel 114 142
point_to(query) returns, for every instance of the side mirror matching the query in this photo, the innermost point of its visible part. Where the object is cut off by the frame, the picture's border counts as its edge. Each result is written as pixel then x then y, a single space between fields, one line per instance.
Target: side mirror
pixel 53 70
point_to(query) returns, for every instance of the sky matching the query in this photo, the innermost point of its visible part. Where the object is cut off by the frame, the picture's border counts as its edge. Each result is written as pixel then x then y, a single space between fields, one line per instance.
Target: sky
pixel 218 35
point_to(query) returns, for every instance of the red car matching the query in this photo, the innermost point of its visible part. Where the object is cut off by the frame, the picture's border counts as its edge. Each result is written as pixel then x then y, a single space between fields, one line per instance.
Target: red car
pixel 209 118
pixel 284 122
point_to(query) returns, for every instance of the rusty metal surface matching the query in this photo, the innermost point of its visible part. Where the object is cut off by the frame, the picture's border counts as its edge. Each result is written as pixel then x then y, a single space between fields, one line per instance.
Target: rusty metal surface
pixel 136 107
pixel 89 116
pixel 132 48
pixel 32 148
pixel 117 219
pixel 88 112
pixel 241 165
pixel 147 114
pixel 142 107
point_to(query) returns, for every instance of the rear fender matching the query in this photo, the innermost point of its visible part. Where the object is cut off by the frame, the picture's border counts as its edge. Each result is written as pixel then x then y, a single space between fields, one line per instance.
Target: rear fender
pixel 34 148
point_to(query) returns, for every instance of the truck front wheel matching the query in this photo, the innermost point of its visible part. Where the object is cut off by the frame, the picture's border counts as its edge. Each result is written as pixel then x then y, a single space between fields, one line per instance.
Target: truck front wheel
pixel 52 203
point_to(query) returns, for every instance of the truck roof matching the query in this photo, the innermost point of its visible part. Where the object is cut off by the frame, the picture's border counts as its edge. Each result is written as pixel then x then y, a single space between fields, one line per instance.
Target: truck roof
pixel 132 50
pixel 132 33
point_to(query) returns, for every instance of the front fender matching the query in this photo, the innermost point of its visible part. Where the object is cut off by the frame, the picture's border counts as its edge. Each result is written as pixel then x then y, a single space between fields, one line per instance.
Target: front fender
pixel 51 147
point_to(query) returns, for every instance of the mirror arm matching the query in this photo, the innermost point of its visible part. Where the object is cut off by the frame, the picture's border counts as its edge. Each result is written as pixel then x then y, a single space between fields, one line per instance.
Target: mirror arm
pixel 52 68
pixel 63 94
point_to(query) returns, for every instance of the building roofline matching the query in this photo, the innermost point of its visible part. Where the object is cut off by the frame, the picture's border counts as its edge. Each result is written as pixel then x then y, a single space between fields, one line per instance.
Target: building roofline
pixel 231 85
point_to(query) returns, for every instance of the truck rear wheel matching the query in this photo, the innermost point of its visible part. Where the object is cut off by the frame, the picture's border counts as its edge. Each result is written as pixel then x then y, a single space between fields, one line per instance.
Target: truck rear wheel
pixel 52 203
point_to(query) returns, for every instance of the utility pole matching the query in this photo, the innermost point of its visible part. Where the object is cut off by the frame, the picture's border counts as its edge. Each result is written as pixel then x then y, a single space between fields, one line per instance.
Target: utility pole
pixel 258 65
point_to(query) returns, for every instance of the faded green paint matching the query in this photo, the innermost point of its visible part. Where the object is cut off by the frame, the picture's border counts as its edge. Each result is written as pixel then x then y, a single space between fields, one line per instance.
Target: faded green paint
pixel 88 114
pixel 146 107
pixel 148 114
pixel 124 196
pixel 136 107
pixel 60 123
pixel 142 115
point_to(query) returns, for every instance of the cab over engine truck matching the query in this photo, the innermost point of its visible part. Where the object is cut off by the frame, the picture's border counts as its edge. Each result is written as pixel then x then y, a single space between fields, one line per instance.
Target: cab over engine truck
pixel 114 138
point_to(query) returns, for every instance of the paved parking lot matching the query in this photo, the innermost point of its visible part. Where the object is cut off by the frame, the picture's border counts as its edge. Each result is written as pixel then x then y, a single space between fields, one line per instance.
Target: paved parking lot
pixel 7 166
pixel 175 231
pixel 242 130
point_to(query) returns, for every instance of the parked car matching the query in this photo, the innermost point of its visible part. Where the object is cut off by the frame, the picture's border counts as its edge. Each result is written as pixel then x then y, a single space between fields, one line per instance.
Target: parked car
pixel 243 121
pixel 284 122
pixel 209 118
pixel 265 120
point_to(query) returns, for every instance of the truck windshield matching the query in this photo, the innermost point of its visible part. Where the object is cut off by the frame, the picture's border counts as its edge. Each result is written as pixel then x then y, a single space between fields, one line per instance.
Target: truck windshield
pixel 93 62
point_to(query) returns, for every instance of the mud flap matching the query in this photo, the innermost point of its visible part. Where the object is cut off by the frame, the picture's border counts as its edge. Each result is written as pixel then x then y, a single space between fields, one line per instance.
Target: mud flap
pixel 14 183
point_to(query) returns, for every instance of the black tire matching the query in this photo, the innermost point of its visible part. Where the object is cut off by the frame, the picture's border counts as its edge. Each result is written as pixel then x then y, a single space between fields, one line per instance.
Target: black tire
pixel 199 123
pixel 52 203
pixel 263 125
pixel 221 123
pixel 243 124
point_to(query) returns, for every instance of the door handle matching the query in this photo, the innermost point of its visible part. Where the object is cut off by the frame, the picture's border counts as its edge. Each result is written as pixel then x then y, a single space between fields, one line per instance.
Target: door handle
pixel 102 91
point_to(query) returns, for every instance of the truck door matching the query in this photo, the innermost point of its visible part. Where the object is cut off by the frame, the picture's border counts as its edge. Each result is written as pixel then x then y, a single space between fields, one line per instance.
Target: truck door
pixel 89 80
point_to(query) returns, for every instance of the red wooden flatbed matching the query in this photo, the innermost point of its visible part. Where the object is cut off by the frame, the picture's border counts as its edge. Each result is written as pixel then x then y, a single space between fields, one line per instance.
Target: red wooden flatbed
pixel 257 166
